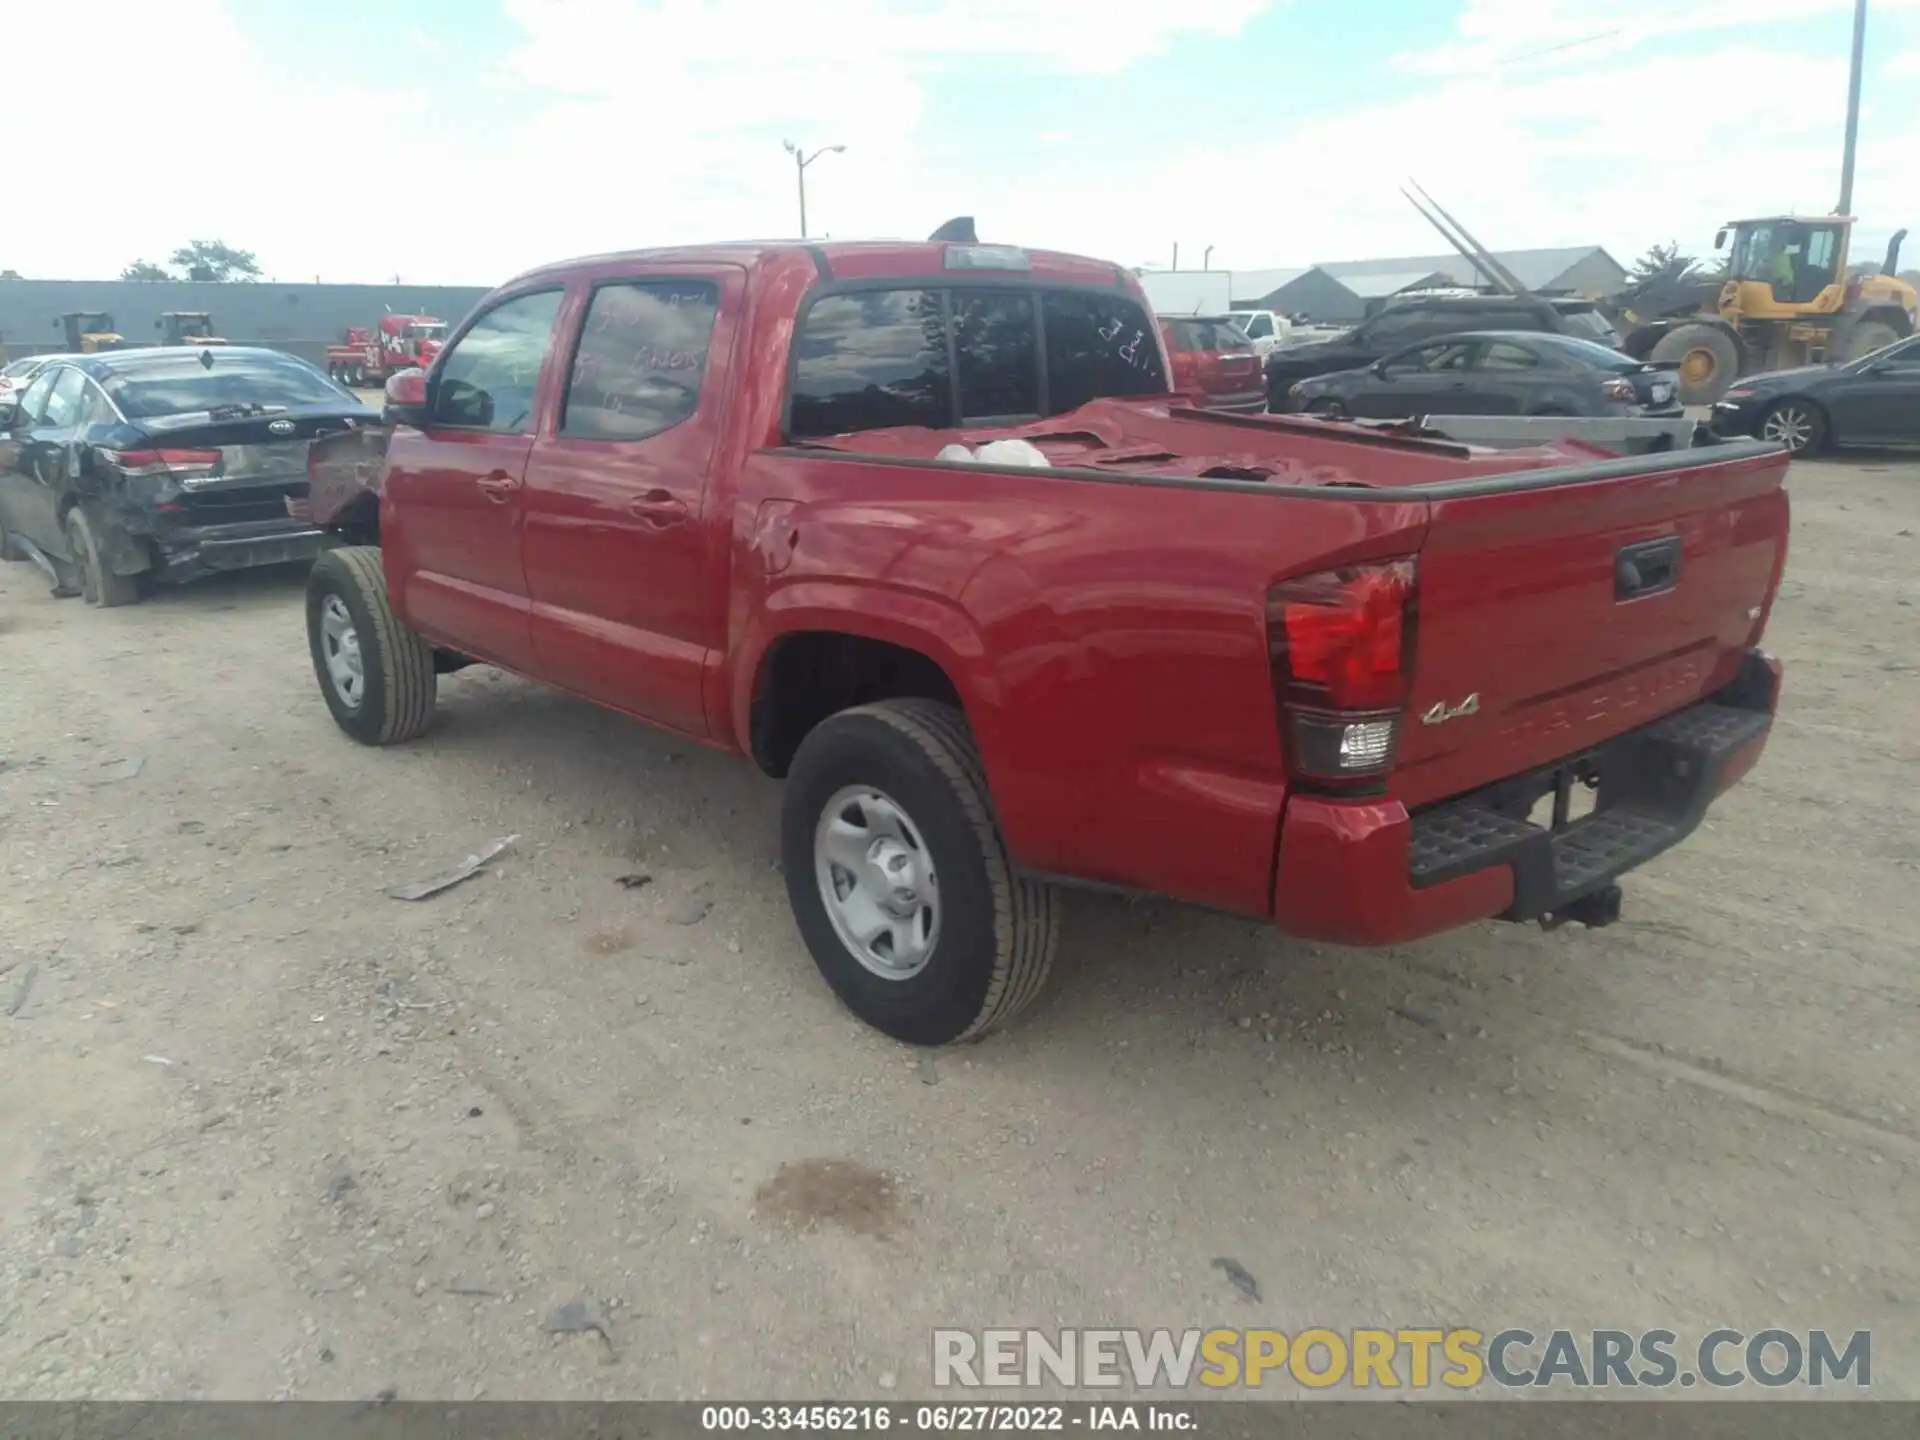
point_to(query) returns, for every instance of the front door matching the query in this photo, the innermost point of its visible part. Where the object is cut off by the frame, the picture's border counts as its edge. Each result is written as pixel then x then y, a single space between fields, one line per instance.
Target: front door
pixel 618 543
pixel 1428 381
pixel 452 526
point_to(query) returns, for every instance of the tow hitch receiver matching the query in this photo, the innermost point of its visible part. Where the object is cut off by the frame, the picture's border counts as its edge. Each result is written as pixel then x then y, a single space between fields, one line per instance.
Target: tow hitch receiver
pixel 1600 908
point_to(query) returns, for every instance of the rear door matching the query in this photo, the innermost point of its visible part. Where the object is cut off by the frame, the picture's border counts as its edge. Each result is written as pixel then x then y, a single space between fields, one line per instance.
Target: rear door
pixel 1507 379
pixel 1535 640
pixel 618 541
pixel 49 455
pixel 451 521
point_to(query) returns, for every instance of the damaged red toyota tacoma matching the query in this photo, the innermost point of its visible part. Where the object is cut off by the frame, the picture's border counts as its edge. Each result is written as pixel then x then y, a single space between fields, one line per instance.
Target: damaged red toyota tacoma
pixel 1368 686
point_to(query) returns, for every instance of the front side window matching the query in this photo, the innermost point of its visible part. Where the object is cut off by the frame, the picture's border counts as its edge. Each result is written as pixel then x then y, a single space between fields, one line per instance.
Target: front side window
pixel 1097 346
pixel 487 380
pixel 640 359
pixel 872 360
pixel 1454 355
pixel 997 346
pixel 1259 327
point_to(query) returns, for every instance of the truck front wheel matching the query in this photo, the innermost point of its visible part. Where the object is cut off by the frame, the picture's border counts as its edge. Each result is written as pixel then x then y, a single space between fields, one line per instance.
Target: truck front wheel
pixel 376 674
pixel 900 882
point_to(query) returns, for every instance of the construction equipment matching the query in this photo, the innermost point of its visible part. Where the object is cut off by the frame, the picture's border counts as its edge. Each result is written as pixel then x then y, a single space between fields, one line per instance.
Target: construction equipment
pixel 1785 298
pixel 89 331
pixel 186 327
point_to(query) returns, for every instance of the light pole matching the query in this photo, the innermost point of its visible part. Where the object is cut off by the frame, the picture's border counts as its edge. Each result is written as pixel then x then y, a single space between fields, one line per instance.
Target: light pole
pixel 1853 108
pixel 800 162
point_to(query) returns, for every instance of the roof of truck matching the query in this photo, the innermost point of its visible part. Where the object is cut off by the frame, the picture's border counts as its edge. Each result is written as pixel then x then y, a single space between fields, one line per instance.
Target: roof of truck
pixel 854 259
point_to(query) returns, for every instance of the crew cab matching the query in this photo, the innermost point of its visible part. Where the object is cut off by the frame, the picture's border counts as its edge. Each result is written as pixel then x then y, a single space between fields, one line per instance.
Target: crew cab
pixel 1351 683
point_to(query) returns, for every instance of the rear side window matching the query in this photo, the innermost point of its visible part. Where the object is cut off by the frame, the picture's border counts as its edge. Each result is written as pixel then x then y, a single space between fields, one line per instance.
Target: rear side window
pixel 642 353
pixel 997 345
pixel 1098 345
pixel 486 381
pixel 33 403
pixel 1589 324
pixel 63 404
pixel 1504 355
pixel 181 382
pixel 871 361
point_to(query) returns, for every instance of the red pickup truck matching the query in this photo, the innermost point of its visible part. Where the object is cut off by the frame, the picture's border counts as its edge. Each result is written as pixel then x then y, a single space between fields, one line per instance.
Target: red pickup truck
pixel 1351 682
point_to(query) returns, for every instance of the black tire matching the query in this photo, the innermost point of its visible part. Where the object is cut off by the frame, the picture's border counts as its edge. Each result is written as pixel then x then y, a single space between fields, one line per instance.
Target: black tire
pixel 1800 425
pixel 997 931
pixel 1328 407
pixel 1709 361
pixel 100 584
pixel 397 683
pixel 1863 339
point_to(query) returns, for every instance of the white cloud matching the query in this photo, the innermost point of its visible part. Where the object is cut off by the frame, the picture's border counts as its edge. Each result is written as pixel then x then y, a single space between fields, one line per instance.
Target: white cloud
pixel 1905 66
pixel 613 123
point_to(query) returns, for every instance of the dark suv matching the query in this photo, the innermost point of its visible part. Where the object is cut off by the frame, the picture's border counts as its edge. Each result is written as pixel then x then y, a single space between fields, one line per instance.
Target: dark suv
pixel 1408 319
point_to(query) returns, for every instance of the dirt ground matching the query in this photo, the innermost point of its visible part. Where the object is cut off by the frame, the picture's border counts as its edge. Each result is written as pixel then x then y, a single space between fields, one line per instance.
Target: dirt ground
pixel 266 1132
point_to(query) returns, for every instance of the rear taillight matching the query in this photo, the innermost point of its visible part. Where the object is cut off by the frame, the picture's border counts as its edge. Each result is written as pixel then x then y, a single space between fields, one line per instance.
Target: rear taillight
pixel 1618 390
pixel 1341 643
pixel 162 462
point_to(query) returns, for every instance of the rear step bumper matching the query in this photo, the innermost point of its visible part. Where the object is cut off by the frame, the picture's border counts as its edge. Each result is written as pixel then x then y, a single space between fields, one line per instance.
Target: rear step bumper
pixel 1370 874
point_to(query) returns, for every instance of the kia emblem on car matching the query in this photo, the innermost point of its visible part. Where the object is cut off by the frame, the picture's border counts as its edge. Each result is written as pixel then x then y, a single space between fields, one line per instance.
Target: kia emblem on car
pixel 1440 712
pixel 280 427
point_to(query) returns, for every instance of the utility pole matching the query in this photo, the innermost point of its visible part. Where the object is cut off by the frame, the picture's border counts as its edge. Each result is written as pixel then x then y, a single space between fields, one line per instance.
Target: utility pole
pixel 800 162
pixel 1853 107
pixel 1176 254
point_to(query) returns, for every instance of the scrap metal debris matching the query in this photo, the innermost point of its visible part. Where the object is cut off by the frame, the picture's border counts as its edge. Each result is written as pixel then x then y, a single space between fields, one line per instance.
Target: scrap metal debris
pixel 633 881
pixel 578 1317
pixel 20 994
pixel 1241 1277
pixel 465 870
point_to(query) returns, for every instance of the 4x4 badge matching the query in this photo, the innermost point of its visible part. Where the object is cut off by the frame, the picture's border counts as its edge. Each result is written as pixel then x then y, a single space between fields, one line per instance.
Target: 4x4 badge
pixel 1440 712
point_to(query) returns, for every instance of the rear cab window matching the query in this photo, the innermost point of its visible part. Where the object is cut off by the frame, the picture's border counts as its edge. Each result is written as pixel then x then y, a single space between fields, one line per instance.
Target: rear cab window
pixel 937 356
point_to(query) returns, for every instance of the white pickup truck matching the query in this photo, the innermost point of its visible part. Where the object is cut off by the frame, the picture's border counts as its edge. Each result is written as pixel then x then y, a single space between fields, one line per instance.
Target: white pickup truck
pixel 1268 329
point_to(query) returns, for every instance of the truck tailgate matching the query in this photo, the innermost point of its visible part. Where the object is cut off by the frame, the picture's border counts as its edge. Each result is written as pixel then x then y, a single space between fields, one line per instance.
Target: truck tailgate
pixel 1552 619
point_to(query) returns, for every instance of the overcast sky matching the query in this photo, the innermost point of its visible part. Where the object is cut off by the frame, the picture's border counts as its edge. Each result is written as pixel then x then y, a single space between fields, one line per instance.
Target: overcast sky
pixel 462 140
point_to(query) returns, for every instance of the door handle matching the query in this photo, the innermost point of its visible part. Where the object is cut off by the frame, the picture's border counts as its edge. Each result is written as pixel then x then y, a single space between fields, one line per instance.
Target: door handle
pixel 658 507
pixel 498 486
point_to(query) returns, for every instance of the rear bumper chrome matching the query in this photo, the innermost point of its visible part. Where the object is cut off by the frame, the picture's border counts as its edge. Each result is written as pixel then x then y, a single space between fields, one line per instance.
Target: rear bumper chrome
pixel 1369 873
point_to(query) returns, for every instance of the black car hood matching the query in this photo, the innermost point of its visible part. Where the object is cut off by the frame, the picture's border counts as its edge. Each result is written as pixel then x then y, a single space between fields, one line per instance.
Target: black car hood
pixel 1787 379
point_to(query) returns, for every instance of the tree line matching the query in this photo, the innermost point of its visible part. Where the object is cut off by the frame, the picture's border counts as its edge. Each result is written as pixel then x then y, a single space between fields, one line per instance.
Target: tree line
pixel 212 260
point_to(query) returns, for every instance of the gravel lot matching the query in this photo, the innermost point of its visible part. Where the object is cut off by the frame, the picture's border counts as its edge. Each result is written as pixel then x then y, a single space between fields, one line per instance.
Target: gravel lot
pixel 265 1131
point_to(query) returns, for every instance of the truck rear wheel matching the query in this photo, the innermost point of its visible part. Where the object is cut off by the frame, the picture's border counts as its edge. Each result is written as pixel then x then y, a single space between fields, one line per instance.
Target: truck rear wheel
pixel 900 881
pixel 1709 361
pixel 376 674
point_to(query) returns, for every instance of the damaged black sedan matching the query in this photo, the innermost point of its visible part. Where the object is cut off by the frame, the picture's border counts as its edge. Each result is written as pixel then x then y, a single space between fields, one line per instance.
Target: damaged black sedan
pixel 131 468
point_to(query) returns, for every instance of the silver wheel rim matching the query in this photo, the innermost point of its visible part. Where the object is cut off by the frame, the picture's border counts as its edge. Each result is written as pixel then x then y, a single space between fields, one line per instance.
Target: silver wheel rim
pixel 1792 427
pixel 877 882
pixel 340 647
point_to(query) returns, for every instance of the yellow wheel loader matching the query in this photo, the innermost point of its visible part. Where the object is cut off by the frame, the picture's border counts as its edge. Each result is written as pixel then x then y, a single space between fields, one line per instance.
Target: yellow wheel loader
pixel 1785 298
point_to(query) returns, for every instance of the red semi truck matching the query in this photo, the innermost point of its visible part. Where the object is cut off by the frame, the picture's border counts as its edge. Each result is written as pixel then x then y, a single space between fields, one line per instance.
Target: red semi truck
pixel 398 342
pixel 1352 683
